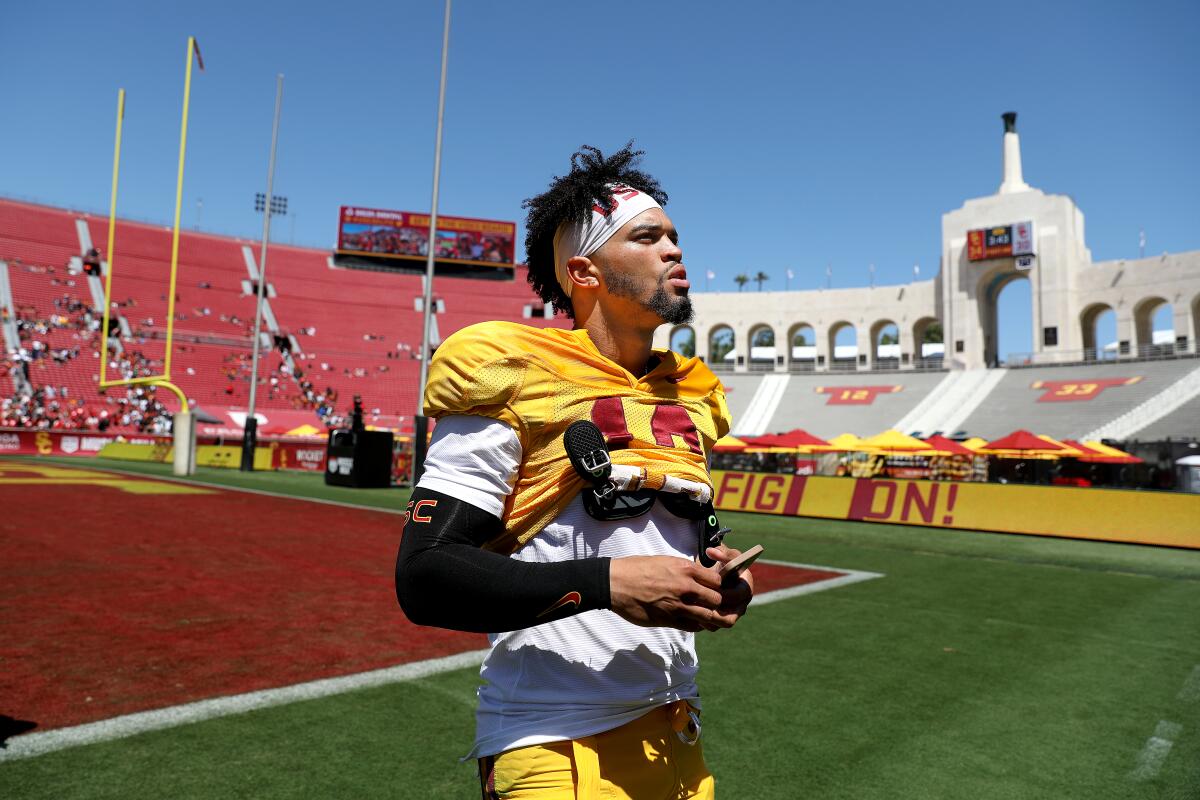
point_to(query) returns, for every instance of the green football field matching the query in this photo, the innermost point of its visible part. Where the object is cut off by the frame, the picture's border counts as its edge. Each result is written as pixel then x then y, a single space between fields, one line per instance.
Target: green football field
pixel 980 666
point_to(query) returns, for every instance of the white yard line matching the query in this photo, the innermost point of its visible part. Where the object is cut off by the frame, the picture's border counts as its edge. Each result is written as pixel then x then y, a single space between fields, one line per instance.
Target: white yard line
pixel 1157 748
pixel 1190 692
pixel 36 744
pixel 850 576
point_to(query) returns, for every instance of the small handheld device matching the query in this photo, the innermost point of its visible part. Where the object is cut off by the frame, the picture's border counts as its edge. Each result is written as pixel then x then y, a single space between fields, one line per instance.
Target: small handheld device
pixel 711 535
pixel 731 570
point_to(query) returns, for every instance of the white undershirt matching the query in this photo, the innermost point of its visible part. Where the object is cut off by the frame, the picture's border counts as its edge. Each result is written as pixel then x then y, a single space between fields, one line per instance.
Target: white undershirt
pixel 584 674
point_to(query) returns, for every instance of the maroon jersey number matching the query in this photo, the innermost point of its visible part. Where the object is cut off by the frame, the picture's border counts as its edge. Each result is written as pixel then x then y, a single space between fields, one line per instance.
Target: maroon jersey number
pixel 667 422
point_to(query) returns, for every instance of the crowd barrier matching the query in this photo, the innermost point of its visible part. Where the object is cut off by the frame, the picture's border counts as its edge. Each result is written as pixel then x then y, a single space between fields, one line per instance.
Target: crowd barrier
pixel 1160 518
pixel 270 456
pixel 60 443
pixel 299 455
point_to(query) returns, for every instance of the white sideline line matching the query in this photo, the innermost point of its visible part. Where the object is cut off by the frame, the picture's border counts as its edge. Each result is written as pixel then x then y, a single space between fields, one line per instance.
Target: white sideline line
pixel 851 576
pixel 36 744
pixel 1157 748
pixel 1190 692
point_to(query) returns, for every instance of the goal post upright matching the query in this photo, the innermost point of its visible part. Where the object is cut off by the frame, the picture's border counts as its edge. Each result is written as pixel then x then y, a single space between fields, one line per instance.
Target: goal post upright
pixel 183 425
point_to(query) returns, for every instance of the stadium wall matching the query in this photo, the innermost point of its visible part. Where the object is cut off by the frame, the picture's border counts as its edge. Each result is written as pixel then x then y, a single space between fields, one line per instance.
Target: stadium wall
pixel 1158 518
pixel 1069 292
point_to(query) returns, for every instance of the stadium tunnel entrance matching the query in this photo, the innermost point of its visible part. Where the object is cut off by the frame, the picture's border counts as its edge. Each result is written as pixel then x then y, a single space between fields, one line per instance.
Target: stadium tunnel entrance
pixel 1003 342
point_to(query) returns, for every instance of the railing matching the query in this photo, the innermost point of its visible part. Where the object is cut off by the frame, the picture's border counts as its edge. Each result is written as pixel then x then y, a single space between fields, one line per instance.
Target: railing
pixel 1146 352
pixel 802 365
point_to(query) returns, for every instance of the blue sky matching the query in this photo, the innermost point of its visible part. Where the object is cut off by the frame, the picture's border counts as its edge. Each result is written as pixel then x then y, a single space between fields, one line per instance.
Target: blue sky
pixel 789 135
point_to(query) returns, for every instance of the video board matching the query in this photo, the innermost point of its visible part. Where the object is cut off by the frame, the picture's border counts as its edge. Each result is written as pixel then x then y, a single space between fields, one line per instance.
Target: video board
pixel 1001 241
pixel 382 233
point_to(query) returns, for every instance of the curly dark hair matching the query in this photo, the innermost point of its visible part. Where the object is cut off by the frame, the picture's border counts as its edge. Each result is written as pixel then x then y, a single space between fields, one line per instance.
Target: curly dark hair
pixel 570 198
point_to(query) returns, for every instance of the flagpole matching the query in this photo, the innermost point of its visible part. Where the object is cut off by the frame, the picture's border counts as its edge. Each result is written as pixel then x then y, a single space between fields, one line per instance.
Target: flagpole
pixel 250 430
pixel 419 421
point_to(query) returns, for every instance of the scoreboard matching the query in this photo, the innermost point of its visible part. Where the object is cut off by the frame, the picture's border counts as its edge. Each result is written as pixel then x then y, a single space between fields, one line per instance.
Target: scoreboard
pixel 383 233
pixel 1000 241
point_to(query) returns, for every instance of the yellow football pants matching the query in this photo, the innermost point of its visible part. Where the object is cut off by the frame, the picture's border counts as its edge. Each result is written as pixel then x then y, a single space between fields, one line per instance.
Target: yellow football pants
pixel 641 760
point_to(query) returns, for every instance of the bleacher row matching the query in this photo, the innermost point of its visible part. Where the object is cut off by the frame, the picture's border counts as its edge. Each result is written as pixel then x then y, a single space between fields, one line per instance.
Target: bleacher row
pixel 357 332
pixel 1065 402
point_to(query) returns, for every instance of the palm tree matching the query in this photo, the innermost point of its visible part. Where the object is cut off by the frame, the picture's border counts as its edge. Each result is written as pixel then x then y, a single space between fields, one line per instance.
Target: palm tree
pixel 741 280
pixel 760 277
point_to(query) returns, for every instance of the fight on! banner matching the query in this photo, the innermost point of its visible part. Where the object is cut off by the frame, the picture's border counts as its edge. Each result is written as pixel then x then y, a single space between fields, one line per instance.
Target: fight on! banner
pixel 1160 518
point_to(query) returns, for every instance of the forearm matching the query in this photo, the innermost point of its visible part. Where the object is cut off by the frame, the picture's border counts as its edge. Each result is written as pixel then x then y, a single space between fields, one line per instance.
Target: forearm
pixel 444 579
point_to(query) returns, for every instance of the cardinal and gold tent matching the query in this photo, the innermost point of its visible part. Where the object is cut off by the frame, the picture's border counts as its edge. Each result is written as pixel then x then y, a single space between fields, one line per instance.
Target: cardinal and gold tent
pixel 846 442
pixel 729 444
pixel 1023 444
pixel 947 447
pixel 894 442
pixel 796 440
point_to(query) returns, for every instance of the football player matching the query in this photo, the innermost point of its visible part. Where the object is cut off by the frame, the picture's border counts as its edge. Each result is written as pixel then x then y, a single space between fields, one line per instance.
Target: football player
pixel 591 609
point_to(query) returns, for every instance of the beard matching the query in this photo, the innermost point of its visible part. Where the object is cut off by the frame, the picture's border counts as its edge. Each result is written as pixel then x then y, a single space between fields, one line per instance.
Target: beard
pixel 671 309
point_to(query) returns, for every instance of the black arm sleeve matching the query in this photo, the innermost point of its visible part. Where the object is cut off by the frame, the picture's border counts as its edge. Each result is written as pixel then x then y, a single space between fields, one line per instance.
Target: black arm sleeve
pixel 444 579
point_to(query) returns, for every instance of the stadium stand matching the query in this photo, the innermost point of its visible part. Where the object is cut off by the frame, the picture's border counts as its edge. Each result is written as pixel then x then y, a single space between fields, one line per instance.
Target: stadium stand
pixel 1023 398
pixel 1183 422
pixel 828 404
pixel 333 332
pixel 337 332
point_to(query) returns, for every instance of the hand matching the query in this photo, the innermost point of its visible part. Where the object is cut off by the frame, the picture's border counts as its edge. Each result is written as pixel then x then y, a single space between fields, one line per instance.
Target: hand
pixel 670 592
pixel 736 593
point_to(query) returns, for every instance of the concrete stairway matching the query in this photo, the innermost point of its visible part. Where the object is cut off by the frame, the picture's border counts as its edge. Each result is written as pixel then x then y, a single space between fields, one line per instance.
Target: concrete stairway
pixel 1160 405
pixel 954 399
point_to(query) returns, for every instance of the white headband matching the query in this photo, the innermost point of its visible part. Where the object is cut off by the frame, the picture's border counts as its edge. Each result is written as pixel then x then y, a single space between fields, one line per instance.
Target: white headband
pixel 583 239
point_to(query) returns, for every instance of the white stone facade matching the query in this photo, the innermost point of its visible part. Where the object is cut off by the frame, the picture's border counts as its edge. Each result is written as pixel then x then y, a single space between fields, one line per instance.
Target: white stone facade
pixel 1069 292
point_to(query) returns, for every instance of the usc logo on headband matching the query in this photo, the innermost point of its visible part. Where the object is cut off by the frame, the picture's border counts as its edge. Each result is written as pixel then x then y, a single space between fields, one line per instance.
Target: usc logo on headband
pixel 619 193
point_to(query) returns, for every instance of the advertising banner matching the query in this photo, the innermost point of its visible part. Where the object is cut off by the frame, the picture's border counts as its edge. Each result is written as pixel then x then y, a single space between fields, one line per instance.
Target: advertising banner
pixel 405 235
pixel 309 457
pixel 59 443
pixel 1001 241
pixel 1160 518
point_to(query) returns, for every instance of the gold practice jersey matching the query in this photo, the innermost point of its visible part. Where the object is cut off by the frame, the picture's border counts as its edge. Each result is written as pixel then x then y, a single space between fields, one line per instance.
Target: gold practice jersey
pixel 540 381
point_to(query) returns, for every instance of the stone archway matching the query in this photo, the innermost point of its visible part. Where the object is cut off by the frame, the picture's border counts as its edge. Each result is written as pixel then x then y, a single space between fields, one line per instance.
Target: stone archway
pixel 843 346
pixel 992 287
pixel 762 349
pixel 1145 313
pixel 683 340
pixel 928 339
pixel 722 347
pixel 885 345
pixel 1089 323
pixel 802 347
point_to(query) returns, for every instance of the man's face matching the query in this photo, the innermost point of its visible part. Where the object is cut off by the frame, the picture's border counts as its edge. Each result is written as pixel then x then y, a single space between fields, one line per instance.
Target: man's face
pixel 642 264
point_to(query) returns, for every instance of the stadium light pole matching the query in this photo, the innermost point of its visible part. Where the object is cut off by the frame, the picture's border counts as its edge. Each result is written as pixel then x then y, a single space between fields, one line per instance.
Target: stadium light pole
pixel 250 430
pixel 419 421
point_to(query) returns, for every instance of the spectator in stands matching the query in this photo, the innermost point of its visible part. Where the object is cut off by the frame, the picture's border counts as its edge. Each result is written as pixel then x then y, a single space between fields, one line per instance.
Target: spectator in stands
pixel 91 262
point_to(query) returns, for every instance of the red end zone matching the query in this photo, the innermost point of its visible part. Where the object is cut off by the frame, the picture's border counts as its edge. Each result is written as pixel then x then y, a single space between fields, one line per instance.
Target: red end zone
pixel 126 594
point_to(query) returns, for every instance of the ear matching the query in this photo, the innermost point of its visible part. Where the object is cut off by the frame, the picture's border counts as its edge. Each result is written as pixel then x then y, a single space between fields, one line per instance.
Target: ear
pixel 582 272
